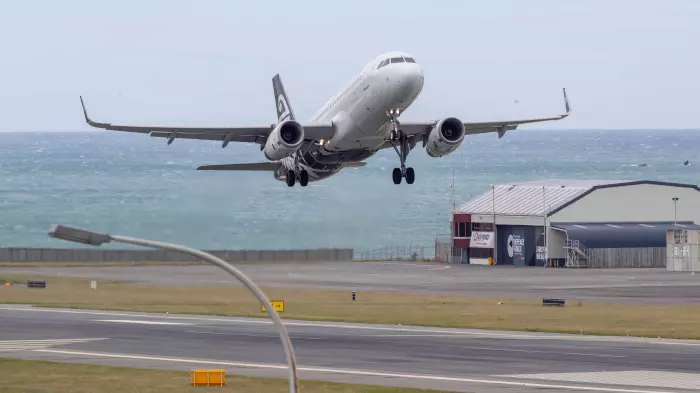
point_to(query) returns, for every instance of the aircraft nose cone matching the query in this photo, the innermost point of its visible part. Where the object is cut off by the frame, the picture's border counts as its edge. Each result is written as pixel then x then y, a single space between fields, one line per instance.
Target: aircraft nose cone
pixel 410 81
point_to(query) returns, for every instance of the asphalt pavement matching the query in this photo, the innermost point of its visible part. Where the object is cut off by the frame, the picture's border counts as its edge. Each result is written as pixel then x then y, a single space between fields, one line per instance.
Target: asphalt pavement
pixel 449 359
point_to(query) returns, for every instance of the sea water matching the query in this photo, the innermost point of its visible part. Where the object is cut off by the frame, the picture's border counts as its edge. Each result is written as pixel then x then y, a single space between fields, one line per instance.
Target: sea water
pixel 135 185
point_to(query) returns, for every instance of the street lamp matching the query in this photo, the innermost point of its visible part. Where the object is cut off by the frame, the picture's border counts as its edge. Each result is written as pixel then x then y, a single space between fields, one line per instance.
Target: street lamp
pixel 675 202
pixel 98 239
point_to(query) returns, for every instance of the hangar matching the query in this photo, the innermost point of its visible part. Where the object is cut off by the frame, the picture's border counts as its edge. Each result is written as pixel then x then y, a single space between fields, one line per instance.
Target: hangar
pixel 573 223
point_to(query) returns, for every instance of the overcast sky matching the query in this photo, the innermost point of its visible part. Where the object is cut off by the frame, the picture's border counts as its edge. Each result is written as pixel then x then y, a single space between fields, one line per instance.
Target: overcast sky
pixel 625 64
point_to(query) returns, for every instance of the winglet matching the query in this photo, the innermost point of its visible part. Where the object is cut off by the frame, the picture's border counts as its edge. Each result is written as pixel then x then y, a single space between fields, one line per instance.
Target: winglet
pixel 566 102
pixel 87 118
pixel 90 121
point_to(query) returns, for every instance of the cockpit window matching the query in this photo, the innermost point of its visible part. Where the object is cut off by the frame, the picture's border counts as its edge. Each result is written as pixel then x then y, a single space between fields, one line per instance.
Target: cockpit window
pixel 409 60
pixel 383 63
pixel 396 60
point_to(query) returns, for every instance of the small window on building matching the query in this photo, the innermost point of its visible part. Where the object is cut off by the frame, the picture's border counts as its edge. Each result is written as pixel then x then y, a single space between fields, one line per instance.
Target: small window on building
pixel 482 227
pixel 462 229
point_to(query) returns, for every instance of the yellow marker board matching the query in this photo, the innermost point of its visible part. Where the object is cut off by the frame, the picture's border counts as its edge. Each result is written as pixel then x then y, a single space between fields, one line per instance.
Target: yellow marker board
pixel 278 305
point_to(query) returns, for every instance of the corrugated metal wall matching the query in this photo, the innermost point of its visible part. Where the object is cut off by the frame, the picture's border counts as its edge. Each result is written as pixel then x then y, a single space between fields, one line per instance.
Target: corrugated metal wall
pixel 106 255
pixel 627 257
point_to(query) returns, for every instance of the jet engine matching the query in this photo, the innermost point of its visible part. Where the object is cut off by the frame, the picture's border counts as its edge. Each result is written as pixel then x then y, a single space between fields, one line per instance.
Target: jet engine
pixel 445 137
pixel 285 139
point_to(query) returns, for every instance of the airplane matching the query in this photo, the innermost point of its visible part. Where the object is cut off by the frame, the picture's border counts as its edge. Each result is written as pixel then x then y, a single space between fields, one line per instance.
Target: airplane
pixel 351 127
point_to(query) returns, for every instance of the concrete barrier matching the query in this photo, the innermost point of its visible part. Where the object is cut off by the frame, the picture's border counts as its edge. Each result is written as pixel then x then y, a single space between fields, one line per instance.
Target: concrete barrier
pixel 21 254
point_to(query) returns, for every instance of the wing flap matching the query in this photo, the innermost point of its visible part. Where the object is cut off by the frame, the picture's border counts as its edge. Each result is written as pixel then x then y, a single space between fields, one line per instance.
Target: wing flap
pixel 256 166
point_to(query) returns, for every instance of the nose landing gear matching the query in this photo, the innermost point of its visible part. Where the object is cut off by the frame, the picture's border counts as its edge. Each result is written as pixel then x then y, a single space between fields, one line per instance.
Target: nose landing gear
pixel 399 137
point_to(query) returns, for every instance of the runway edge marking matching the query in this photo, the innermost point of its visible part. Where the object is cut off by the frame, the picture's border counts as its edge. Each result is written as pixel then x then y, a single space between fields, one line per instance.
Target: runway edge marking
pixel 346 325
pixel 349 372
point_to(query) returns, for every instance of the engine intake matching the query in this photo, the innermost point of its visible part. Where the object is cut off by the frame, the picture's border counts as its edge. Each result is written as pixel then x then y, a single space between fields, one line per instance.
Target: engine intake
pixel 285 139
pixel 445 137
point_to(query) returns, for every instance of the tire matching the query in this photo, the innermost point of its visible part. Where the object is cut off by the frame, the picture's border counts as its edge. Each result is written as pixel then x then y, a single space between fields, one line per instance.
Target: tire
pixel 291 178
pixel 396 175
pixel 304 178
pixel 410 175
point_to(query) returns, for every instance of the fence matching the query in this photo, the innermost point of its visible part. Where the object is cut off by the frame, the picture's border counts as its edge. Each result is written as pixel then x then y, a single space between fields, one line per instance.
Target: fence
pixel 107 255
pixel 405 252
pixel 626 257
pixel 444 251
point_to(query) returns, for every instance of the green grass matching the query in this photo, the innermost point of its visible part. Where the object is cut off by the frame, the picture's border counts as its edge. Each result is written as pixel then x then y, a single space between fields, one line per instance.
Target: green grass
pixel 30 376
pixel 673 321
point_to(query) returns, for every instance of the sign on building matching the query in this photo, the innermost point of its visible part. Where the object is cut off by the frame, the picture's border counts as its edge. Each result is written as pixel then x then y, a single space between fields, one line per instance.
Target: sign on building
pixel 482 240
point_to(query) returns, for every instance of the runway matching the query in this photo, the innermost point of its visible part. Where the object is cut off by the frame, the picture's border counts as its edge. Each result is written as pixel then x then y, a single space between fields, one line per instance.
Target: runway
pixel 448 359
pixel 646 286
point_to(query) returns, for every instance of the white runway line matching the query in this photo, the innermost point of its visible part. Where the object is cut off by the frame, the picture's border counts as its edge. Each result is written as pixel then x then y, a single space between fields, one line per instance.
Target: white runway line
pixel 549 352
pixel 265 321
pixel 368 327
pixel 646 378
pixel 352 372
pixel 27 345
pixel 141 322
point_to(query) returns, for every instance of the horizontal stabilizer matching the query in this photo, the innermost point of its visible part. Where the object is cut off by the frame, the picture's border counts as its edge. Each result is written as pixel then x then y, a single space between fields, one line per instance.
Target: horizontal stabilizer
pixel 257 166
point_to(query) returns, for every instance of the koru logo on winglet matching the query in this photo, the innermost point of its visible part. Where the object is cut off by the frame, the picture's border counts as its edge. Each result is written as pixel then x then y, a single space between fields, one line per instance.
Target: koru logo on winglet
pixel 282 107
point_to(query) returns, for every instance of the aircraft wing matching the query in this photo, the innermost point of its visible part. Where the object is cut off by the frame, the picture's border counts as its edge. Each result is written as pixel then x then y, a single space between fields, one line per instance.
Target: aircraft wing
pixel 499 127
pixel 257 166
pixel 258 134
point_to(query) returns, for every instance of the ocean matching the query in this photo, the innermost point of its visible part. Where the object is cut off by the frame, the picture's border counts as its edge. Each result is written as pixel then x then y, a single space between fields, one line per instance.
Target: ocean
pixel 134 185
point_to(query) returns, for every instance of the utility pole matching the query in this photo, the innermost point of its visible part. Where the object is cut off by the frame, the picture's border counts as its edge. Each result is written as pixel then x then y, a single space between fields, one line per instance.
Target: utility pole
pixel 544 223
pixel 493 207
pixel 675 217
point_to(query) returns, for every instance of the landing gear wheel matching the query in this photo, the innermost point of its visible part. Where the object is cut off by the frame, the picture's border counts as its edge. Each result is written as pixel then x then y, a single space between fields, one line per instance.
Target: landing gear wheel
pixel 303 178
pixel 396 175
pixel 410 175
pixel 291 178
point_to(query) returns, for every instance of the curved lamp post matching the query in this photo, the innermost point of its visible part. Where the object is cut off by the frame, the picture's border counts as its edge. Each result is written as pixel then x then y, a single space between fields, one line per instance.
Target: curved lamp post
pixel 97 239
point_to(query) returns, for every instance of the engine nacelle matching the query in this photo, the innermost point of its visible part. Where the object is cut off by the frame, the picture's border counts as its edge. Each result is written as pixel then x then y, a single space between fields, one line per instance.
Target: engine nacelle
pixel 285 139
pixel 445 137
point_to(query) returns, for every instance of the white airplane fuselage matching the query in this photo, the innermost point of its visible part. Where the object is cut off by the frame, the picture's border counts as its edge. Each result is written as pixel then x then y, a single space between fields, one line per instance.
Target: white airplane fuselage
pixel 359 113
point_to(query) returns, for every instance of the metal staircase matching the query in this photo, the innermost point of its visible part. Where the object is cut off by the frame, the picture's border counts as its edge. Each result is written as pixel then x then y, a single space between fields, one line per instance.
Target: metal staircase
pixel 576 254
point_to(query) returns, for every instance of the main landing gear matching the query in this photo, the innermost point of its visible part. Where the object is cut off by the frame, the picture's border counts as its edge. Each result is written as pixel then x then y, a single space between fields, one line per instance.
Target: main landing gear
pixel 300 174
pixel 303 178
pixel 399 137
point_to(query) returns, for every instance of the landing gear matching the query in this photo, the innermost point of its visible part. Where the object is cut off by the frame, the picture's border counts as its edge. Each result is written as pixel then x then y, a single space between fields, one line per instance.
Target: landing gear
pixel 397 175
pixel 291 178
pixel 410 175
pixel 303 178
pixel 299 174
pixel 399 137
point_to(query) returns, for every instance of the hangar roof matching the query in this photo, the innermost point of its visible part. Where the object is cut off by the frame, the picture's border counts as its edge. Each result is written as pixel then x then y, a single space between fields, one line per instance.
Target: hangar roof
pixel 540 197
pixel 622 234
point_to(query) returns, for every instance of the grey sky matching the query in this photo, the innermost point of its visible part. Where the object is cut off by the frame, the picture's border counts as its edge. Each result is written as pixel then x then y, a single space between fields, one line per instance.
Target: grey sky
pixel 626 64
